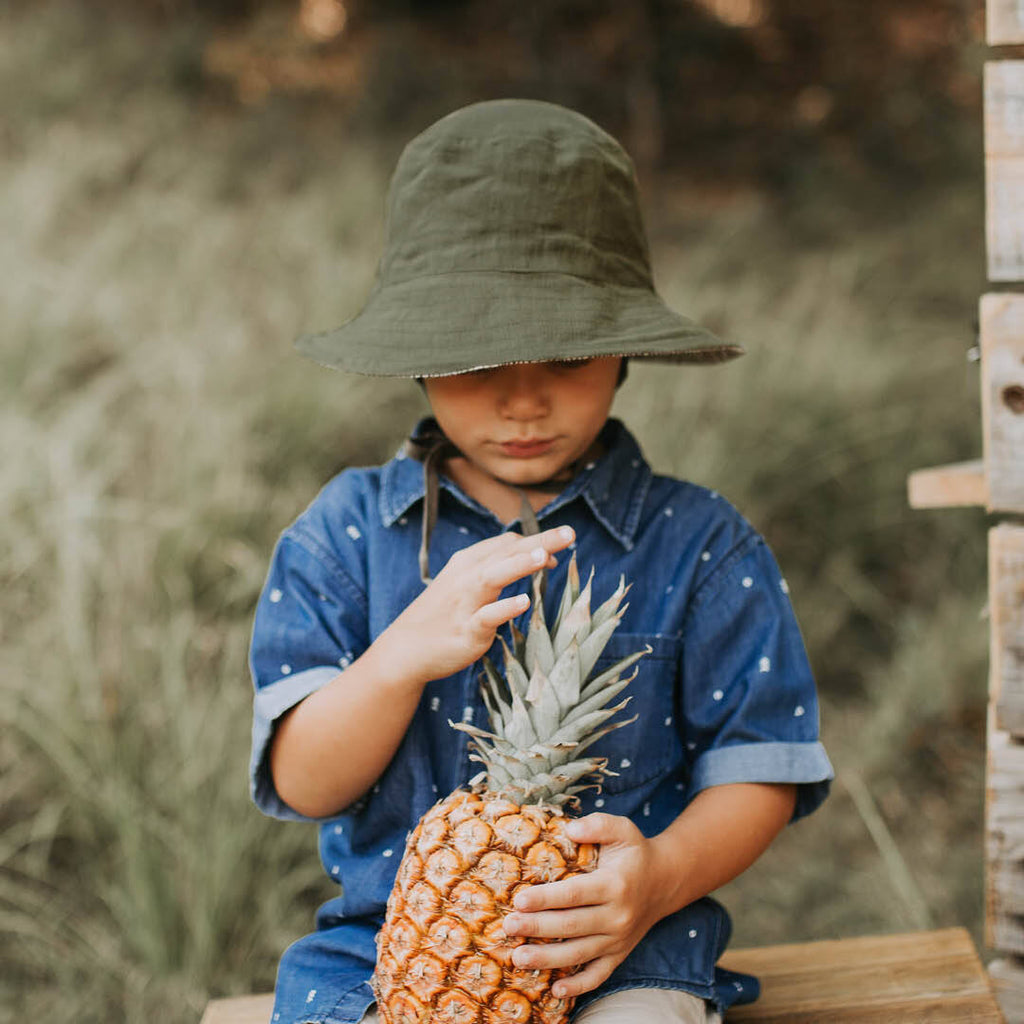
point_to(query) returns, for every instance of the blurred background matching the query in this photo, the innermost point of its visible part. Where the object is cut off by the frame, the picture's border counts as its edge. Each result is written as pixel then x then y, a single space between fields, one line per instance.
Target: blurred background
pixel 186 186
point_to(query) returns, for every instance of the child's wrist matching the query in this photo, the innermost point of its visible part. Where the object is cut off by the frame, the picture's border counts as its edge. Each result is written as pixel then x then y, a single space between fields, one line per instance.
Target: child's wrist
pixel 392 664
pixel 668 873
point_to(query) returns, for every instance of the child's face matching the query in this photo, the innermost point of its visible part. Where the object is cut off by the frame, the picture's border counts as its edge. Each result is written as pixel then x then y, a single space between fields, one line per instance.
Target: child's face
pixel 525 423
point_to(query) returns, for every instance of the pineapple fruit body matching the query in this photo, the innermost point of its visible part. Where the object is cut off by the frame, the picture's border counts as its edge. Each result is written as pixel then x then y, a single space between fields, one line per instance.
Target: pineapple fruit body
pixel 442 954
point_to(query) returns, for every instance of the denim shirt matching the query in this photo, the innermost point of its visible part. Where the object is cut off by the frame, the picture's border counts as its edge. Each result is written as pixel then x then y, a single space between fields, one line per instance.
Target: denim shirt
pixel 725 696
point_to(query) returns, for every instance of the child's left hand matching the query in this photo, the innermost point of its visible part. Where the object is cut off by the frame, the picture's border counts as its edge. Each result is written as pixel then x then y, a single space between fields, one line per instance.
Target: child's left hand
pixel 599 916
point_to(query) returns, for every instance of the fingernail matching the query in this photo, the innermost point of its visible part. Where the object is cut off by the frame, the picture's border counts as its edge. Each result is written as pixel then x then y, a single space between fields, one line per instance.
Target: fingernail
pixel 566 532
pixel 511 921
pixel 539 555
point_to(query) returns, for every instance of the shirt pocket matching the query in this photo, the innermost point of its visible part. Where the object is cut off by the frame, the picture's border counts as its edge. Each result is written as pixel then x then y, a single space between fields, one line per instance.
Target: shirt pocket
pixel 650 746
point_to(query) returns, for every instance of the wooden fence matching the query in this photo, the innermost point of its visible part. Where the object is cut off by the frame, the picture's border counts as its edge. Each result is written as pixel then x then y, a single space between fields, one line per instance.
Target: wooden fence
pixel 997 482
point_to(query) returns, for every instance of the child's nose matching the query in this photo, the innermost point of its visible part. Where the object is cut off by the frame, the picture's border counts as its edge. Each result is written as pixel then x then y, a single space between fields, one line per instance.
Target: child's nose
pixel 524 396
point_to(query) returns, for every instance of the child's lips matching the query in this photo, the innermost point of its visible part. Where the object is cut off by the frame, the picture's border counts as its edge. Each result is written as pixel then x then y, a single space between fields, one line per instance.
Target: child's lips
pixel 526 449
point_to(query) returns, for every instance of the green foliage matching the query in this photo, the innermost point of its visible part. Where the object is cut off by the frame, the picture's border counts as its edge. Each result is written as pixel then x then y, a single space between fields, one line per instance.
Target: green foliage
pixel 157 432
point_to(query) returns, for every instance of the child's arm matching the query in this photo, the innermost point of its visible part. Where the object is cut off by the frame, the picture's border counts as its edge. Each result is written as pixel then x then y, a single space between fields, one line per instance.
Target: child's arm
pixel 601 916
pixel 332 746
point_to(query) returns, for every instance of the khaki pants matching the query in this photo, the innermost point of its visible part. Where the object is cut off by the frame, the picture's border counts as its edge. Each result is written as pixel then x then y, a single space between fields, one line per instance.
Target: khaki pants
pixel 634 1006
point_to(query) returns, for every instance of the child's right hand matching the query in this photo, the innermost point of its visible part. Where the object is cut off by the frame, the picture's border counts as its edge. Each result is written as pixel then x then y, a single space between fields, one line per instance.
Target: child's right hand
pixel 453 622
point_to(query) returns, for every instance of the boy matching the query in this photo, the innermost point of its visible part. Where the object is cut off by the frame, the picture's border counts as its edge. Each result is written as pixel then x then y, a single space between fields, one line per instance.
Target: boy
pixel 514 285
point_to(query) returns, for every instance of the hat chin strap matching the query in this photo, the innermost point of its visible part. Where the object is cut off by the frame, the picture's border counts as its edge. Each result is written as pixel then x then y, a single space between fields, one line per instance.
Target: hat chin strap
pixel 431 446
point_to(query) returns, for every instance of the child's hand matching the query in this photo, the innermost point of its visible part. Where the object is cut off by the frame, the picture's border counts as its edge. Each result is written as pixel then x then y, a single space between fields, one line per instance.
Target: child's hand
pixel 453 622
pixel 599 916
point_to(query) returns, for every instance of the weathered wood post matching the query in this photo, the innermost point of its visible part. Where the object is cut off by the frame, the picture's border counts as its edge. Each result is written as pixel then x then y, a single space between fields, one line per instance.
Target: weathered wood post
pixel 997 482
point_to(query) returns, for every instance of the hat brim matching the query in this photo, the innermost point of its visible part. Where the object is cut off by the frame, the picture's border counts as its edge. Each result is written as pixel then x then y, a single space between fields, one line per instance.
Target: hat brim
pixel 439 325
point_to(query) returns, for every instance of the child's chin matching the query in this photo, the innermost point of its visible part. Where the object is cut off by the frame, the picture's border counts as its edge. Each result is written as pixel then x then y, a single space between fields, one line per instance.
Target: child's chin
pixel 527 472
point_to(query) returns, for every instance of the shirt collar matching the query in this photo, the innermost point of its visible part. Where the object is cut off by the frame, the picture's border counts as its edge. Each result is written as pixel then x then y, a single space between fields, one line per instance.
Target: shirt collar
pixel 614 486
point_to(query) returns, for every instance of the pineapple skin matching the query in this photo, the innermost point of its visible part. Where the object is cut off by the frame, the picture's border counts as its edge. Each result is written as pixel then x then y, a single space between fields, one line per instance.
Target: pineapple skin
pixel 442 955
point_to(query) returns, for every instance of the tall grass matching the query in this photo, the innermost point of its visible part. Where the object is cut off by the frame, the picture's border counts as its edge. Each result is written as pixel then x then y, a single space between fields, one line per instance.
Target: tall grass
pixel 159 252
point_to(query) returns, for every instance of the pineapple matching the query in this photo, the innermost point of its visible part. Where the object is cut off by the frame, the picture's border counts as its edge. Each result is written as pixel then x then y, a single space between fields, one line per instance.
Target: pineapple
pixel 442 954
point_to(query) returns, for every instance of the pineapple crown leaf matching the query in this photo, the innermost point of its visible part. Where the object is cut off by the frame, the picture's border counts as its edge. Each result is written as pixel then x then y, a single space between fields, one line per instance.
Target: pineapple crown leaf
pixel 594 737
pixel 539 682
pixel 515 674
pixel 576 623
pixel 519 730
pixel 565 676
pixel 518 642
pixel 588 722
pixel 499 688
pixel 569 594
pixel 599 698
pixel 539 652
pixel 593 645
pixel 475 731
pixel 608 609
pixel 544 710
pixel 598 682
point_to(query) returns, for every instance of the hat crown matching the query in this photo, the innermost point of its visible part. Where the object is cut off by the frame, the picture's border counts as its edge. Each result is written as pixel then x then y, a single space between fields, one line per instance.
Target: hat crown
pixel 515 186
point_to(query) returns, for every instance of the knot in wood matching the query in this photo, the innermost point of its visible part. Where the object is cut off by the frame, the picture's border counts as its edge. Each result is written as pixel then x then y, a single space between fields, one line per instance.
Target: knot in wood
pixel 1013 398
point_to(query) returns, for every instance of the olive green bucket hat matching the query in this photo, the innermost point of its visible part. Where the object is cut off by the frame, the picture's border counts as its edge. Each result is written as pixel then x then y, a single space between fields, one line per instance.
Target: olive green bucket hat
pixel 513 234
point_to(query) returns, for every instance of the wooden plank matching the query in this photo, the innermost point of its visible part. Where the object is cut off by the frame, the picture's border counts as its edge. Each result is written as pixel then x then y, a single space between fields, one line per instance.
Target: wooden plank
pixel 241 1010
pixel 1007 880
pixel 1007 932
pixel 1004 168
pixel 1004 107
pixel 956 484
pixel 1007 978
pixel 1002 398
pixel 1004 839
pixel 1004 217
pixel 922 976
pixel 890 979
pixel 1006 654
pixel 1004 22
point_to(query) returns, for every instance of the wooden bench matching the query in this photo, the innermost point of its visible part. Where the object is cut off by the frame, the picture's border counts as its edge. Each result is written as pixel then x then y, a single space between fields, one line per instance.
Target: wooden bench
pixel 931 976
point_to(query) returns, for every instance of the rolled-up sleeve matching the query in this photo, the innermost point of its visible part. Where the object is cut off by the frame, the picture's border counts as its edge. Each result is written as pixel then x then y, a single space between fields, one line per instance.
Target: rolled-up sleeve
pixel 749 700
pixel 310 624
